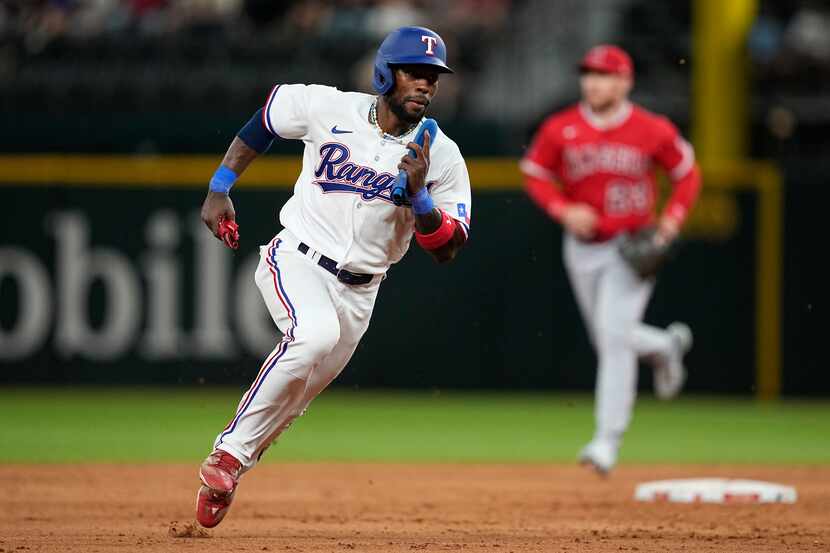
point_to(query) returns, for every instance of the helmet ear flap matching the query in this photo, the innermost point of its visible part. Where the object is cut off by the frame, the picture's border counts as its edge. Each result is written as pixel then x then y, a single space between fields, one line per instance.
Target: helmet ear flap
pixel 384 79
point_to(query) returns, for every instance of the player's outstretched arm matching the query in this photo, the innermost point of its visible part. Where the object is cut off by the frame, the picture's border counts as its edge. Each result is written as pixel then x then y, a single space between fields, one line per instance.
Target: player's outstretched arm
pixel 218 204
pixel 253 139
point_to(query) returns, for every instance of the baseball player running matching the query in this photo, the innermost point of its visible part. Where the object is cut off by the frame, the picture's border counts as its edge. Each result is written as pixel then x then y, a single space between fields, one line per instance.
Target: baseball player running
pixel 602 152
pixel 320 275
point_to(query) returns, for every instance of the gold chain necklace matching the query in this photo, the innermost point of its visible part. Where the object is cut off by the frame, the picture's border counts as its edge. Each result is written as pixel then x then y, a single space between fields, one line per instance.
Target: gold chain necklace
pixel 373 119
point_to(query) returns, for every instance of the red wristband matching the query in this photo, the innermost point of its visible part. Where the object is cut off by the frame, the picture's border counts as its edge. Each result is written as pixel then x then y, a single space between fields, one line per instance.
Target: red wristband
pixel 440 236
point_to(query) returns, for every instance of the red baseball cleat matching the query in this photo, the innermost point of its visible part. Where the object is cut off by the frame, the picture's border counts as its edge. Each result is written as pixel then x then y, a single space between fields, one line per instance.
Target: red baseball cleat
pixel 219 474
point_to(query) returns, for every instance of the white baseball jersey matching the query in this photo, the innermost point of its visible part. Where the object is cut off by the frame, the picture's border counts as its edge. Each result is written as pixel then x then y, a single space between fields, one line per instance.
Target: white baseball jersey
pixel 342 205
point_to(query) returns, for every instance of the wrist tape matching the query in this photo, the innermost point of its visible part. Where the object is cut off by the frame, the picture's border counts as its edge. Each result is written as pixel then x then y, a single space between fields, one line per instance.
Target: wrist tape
pixel 422 202
pixel 223 180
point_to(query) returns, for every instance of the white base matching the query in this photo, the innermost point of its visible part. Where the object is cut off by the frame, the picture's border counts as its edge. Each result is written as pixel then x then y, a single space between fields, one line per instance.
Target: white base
pixel 714 490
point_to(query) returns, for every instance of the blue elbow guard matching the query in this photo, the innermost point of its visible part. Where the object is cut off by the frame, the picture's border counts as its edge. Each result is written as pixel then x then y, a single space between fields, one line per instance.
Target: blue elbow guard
pixel 255 135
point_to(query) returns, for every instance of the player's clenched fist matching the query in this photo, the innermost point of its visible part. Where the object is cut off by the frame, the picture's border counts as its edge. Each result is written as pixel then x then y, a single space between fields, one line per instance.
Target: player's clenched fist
pixel 215 207
pixel 580 220
pixel 416 167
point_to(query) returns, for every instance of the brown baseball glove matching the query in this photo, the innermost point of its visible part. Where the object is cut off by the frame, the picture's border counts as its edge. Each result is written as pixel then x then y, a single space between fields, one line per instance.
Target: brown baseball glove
pixel 645 252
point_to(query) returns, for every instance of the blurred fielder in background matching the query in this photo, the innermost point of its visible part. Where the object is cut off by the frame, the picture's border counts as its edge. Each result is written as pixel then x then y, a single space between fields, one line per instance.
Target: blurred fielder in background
pixel 342 231
pixel 603 152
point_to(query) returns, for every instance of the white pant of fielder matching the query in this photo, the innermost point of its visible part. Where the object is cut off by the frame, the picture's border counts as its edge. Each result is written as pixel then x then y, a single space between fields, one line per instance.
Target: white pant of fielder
pixel 612 300
pixel 322 321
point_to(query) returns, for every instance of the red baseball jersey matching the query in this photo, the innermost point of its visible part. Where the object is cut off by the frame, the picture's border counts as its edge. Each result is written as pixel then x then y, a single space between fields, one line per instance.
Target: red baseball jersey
pixel 610 167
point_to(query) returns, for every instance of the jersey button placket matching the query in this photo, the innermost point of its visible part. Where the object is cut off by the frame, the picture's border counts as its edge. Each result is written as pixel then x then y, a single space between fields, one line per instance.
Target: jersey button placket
pixel 358 217
pixel 349 246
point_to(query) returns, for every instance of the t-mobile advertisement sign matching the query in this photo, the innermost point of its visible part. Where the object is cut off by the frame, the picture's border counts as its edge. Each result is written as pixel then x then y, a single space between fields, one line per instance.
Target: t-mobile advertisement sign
pixel 100 281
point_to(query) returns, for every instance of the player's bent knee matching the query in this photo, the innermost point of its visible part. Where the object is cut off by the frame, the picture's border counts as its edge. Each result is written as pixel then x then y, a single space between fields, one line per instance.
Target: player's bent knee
pixel 318 339
pixel 612 337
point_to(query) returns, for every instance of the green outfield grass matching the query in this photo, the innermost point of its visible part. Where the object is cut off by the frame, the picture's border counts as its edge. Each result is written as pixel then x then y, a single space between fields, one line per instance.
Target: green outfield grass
pixel 56 425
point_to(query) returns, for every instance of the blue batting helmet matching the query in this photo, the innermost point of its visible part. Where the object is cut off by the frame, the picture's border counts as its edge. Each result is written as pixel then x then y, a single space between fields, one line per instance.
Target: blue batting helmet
pixel 408 45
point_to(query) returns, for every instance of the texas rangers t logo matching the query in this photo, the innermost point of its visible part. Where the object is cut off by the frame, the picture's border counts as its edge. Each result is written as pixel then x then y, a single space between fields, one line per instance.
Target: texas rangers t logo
pixel 430 41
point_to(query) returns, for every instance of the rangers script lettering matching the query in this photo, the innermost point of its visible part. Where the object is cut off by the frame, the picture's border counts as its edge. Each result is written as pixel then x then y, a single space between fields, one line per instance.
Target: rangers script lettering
pixel 341 175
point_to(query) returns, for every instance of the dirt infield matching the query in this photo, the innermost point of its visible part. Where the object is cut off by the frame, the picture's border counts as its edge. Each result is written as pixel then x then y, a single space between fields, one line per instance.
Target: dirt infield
pixel 394 508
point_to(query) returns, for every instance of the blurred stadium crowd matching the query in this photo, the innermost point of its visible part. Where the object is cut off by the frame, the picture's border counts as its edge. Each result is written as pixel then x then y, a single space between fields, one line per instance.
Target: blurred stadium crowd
pixel 215 52
pixel 789 48
pixel 43 20
pixel 514 58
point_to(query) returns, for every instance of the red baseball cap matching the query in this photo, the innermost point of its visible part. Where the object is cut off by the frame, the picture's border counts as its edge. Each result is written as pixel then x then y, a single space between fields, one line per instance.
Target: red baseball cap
pixel 606 58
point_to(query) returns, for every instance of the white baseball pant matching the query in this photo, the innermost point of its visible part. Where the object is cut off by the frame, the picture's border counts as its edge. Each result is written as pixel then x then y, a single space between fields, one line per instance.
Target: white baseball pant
pixel 612 300
pixel 322 321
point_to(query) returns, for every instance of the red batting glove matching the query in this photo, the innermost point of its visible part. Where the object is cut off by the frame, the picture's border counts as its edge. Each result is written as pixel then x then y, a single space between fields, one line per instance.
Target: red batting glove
pixel 229 233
